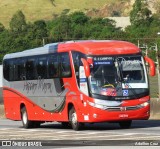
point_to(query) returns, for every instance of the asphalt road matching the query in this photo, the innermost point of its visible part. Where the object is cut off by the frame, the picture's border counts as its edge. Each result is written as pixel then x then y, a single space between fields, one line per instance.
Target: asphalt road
pixel 144 132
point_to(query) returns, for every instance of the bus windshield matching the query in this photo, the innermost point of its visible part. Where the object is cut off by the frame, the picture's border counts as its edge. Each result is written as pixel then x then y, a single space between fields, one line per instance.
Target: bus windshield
pixel 118 76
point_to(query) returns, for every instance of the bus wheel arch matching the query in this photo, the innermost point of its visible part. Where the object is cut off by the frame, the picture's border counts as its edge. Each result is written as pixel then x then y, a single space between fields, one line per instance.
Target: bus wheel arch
pixel 24 117
pixel 73 118
pixel 22 105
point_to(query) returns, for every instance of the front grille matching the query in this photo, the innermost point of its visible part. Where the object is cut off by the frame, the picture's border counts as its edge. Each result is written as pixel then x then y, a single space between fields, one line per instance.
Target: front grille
pixel 123 108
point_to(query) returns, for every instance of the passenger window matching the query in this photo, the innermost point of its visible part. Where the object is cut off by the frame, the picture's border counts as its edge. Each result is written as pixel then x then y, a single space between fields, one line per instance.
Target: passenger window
pixel 6 69
pixel 11 70
pixel 53 66
pixel 65 67
pixel 42 68
pixel 15 70
pixel 30 69
pixel 21 73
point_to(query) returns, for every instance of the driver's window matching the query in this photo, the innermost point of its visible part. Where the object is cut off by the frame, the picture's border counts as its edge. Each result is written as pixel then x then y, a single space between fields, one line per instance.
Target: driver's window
pixel 77 63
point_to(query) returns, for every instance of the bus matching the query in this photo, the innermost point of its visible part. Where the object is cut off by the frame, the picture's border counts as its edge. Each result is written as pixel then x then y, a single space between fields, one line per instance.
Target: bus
pixel 77 82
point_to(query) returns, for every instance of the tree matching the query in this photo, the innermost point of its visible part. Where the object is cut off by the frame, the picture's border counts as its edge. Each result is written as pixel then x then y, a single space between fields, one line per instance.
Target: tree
pixel 2 28
pixel 140 14
pixel 40 29
pixel 61 29
pixel 18 22
pixel 79 18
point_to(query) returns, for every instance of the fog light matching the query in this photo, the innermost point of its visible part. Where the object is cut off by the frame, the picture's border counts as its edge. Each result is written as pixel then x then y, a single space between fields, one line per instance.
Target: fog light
pixel 95 115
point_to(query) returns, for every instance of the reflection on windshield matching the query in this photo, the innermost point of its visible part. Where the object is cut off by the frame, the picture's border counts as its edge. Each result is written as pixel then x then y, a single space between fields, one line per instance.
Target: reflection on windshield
pixel 132 70
pixel 117 76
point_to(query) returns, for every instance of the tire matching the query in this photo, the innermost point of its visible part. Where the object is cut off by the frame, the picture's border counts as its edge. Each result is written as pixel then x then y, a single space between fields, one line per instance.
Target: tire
pixel 125 124
pixel 73 120
pixel 24 116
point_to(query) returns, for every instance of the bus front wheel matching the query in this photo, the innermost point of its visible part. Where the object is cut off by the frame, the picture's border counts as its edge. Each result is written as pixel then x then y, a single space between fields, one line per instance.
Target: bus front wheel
pixel 125 124
pixel 73 119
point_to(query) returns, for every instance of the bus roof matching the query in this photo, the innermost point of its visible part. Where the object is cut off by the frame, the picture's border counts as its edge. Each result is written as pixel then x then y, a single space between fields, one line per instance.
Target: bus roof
pixel 88 47
pixel 101 47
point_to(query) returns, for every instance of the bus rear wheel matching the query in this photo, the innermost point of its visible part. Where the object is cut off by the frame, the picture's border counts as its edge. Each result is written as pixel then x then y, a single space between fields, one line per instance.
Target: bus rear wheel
pixel 24 116
pixel 27 123
pixel 73 119
pixel 125 124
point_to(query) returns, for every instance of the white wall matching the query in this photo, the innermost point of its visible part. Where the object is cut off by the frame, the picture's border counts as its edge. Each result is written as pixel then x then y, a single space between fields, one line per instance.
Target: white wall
pixel 121 21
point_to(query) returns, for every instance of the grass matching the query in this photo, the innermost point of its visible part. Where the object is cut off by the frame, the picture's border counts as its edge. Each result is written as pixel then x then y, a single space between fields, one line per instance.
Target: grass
pixel 45 9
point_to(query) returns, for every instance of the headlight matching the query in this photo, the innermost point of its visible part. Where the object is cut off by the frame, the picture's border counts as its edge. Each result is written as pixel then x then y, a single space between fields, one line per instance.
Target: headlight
pixel 97 105
pixel 145 104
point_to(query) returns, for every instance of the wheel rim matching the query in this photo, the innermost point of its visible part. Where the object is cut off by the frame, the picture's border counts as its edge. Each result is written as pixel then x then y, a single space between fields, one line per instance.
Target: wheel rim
pixel 74 118
pixel 25 117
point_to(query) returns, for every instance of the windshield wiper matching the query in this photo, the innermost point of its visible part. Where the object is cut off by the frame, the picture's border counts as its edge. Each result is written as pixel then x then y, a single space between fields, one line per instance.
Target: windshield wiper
pixel 119 72
pixel 122 80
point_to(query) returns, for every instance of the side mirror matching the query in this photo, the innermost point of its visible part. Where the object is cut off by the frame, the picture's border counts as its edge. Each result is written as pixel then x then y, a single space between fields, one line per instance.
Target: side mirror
pixel 151 65
pixel 86 67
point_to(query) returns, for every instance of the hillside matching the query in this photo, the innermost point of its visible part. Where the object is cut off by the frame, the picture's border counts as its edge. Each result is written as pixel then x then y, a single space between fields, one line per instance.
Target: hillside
pixel 47 9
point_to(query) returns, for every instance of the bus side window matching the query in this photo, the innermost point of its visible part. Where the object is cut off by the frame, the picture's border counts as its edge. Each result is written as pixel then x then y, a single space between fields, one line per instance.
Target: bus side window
pixel 16 69
pixel 21 69
pixel 42 67
pixel 30 69
pixel 65 67
pixel 6 69
pixel 77 63
pixel 11 70
pixel 53 66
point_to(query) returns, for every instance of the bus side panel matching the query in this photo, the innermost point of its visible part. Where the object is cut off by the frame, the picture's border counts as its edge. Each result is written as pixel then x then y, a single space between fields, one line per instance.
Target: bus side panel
pixel 36 113
pixel 11 104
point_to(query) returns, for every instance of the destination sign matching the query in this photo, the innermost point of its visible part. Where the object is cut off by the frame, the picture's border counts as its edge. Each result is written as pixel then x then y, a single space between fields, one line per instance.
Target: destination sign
pixel 103 63
pixel 103 58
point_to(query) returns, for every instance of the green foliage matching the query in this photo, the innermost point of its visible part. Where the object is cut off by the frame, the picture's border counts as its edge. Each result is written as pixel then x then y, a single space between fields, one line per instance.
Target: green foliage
pixel 79 26
pixel 61 28
pixel 18 22
pixel 2 28
pixel 76 26
pixel 79 18
pixel 40 29
pixel 21 35
pixel 140 14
